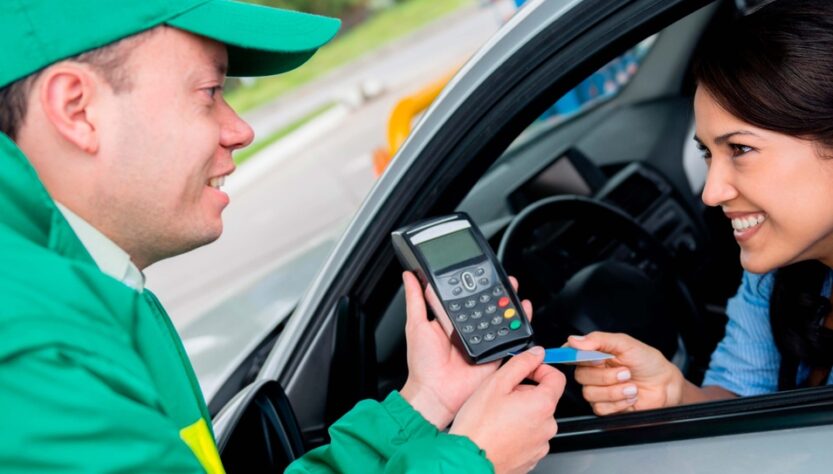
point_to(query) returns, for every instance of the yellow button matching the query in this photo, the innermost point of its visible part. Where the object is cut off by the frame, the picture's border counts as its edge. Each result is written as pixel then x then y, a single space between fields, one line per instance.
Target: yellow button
pixel 509 313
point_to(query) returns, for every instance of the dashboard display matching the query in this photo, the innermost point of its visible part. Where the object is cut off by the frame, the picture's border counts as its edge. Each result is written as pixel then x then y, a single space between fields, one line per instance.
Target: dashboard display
pixel 570 173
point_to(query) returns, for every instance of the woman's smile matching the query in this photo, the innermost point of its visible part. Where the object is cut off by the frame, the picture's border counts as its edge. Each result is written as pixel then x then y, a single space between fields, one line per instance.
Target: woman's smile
pixel 746 225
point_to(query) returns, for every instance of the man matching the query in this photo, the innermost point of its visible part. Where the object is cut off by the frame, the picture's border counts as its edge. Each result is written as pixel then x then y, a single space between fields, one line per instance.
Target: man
pixel 115 142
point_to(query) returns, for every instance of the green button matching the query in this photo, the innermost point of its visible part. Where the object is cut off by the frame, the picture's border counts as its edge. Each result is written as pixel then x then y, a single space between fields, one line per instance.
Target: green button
pixel 515 325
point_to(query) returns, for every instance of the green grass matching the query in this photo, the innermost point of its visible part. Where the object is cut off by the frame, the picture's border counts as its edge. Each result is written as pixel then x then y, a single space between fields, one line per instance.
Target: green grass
pixel 382 28
pixel 259 145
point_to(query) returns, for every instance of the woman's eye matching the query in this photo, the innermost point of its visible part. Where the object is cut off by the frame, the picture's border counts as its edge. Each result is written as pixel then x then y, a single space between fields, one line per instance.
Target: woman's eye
pixel 703 150
pixel 738 149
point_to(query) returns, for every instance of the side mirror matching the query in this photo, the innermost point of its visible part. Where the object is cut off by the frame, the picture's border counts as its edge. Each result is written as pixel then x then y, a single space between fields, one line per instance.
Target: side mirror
pixel 258 431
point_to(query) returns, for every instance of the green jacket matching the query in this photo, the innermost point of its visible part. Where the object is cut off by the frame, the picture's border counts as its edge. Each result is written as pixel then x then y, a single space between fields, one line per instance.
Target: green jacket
pixel 391 438
pixel 93 377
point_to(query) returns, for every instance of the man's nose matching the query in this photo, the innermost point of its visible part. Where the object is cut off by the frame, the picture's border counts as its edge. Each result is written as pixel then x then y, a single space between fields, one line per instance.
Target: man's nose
pixel 235 132
pixel 719 187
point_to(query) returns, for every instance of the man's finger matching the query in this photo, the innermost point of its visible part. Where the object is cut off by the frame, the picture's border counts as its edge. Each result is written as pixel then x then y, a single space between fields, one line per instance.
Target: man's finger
pixel 550 380
pixel 514 282
pixel 518 368
pixel 527 305
pixel 414 302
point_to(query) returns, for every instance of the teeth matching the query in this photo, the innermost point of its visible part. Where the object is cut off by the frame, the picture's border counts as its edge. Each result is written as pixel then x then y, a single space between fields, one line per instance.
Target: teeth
pixel 216 183
pixel 744 223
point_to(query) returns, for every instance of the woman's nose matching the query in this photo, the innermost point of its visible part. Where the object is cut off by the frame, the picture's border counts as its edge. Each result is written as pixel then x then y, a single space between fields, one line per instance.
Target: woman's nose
pixel 719 187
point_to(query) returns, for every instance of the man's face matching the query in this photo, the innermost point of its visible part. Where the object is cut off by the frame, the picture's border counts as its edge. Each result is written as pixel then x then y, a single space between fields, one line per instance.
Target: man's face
pixel 164 144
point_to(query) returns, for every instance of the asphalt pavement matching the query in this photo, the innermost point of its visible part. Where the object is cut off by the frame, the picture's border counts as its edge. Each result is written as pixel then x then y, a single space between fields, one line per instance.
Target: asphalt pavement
pixel 303 190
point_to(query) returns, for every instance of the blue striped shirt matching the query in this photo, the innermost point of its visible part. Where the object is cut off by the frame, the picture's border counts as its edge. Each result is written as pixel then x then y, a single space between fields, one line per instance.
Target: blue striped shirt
pixel 746 362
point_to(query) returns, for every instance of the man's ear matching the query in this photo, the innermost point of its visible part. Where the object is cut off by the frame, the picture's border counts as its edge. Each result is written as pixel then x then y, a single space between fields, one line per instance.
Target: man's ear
pixel 66 95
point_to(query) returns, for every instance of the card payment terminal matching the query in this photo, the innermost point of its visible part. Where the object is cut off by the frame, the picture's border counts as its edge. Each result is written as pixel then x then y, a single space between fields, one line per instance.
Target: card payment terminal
pixel 450 255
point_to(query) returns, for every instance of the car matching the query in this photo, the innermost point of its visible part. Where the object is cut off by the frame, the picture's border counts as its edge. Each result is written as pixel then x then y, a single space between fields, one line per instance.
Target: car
pixel 598 215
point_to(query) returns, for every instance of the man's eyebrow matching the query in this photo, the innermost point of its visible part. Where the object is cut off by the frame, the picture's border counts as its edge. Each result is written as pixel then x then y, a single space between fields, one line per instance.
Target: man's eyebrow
pixel 221 67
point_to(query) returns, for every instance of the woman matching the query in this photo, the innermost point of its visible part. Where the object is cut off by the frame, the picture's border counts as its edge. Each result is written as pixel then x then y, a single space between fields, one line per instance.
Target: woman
pixel 764 122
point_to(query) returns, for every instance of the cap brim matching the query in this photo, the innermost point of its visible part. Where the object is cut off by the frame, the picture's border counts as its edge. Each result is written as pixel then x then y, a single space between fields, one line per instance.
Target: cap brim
pixel 261 41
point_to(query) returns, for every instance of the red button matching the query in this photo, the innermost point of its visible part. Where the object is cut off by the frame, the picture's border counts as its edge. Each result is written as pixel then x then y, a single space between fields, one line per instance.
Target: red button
pixel 503 302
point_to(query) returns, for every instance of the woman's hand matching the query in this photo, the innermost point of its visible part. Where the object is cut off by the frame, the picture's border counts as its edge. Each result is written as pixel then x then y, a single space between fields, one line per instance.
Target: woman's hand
pixel 638 378
pixel 440 379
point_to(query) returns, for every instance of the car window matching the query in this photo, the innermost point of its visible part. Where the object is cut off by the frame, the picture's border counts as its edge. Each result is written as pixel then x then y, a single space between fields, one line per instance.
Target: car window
pixel 601 86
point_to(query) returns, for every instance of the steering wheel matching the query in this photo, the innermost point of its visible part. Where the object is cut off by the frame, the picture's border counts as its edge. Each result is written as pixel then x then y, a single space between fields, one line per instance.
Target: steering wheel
pixel 587 266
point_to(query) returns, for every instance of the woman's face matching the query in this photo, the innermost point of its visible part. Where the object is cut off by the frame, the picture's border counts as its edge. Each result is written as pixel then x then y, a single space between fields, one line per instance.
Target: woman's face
pixel 776 189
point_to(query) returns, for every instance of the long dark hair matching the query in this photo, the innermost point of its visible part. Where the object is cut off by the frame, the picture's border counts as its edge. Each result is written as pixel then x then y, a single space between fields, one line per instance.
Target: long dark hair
pixel 774 70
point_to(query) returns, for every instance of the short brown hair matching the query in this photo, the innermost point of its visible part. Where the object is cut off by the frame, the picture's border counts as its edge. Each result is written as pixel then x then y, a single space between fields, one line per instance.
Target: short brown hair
pixel 108 61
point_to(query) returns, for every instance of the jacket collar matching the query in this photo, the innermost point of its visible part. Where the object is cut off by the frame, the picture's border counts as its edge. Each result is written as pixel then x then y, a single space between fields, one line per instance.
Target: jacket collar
pixel 26 209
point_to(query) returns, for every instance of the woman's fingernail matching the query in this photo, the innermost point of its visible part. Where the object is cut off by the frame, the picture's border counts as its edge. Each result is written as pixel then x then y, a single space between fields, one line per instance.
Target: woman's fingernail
pixel 631 401
pixel 629 391
pixel 623 375
pixel 578 338
pixel 537 350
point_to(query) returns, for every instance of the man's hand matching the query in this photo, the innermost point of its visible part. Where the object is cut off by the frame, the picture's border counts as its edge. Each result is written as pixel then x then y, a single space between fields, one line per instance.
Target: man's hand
pixel 513 423
pixel 638 378
pixel 440 379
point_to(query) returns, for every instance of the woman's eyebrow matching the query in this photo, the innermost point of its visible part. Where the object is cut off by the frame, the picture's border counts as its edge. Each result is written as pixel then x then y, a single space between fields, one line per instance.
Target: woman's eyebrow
pixel 726 136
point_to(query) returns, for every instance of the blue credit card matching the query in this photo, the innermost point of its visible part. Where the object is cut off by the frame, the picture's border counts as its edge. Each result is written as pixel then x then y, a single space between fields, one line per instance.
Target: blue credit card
pixel 568 355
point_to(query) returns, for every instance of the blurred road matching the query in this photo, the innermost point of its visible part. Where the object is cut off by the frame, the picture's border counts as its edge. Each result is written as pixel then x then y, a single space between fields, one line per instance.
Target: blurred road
pixel 296 202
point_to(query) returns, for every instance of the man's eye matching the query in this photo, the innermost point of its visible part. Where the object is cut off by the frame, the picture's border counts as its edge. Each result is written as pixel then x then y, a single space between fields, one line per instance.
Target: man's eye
pixel 213 91
pixel 738 149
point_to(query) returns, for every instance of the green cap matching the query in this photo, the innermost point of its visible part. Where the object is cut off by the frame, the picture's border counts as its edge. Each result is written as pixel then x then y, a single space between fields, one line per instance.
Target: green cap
pixel 260 40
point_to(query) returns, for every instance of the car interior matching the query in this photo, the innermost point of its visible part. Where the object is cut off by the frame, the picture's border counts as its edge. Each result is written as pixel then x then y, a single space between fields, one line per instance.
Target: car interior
pixel 601 222
pixel 598 215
